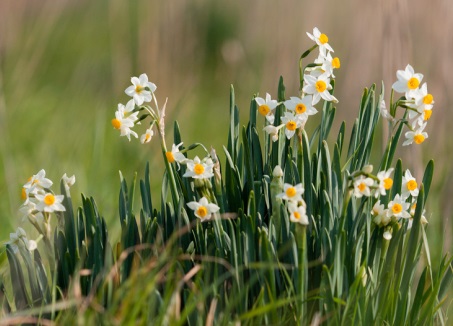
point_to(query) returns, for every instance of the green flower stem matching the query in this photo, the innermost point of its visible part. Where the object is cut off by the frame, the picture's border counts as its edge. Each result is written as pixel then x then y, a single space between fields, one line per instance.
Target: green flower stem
pixel 173 187
pixel 301 240
pixel 301 69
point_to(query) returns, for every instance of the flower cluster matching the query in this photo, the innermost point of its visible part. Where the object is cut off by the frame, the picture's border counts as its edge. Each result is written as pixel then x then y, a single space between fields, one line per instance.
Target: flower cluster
pixel 126 116
pixel 292 194
pixel 401 207
pixel 316 85
pixel 417 101
pixel 40 201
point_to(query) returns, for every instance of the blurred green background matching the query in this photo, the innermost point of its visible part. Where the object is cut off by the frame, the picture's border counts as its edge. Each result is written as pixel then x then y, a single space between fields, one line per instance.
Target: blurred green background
pixel 64 66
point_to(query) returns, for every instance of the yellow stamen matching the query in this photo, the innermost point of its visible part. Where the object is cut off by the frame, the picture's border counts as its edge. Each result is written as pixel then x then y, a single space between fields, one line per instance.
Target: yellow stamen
pixel 264 109
pixel 413 83
pixel 291 192
pixel 411 185
pixel 49 199
pixel 388 182
pixel 336 63
pixel 170 157
pixel 296 215
pixel 419 138
pixel 323 38
pixel 362 187
pixel 291 125
pixel 198 169
pixel 428 99
pixel 139 89
pixel 320 86
pixel 300 108
pixel 397 208
pixel 116 123
pixel 147 137
pixel 202 211
pixel 427 114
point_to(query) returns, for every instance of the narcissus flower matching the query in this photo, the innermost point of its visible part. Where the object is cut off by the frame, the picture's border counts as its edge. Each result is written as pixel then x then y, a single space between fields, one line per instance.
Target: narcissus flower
pixel 19 239
pixel 175 155
pixel 293 193
pixel 125 119
pixel 291 122
pixel 298 214
pixel 320 39
pixel 362 186
pixel 319 87
pixel 37 183
pixel 203 209
pixel 385 182
pixel 408 82
pixel 146 137
pixel 379 213
pixel 398 208
pixel 141 89
pixel 266 107
pixel 327 62
pixel 417 136
pixel 409 185
pixel 302 107
pixel 50 203
pixel 199 170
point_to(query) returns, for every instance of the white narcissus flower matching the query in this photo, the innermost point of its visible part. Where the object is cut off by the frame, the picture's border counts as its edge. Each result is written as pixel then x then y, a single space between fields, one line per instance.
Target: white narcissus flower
pixel 266 107
pixel 175 155
pixel 385 182
pixel 141 89
pixel 125 119
pixel 302 107
pixel 291 122
pixel 379 213
pixel 398 208
pixel 422 101
pixel 203 209
pixel 50 203
pixel 319 87
pixel 37 183
pixel 362 186
pixel 68 181
pixel 146 137
pixel 320 39
pixel 387 235
pixel 408 82
pixel 328 64
pixel 199 170
pixel 19 240
pixel 273 131
pixel 409 185
pixel 298 214
pixel 417 136
pixel 292 193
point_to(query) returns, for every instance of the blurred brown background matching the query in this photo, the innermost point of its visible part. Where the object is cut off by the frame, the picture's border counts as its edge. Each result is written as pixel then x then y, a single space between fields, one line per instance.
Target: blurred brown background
pixel 64 66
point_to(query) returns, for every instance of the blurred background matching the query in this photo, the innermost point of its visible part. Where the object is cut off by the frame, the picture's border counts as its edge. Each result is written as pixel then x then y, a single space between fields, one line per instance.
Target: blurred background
pixel 64 66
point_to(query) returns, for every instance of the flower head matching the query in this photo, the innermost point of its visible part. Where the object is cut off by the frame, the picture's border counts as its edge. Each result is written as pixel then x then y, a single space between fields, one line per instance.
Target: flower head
pixel 19 240
pixel 125 119
pixel 292 193
pixel 198 169
pixel 203 209
pixel 327 62
pixel 302 107
pixel 385 182
pixel 37 183
pixel 408 82
pixel 398 208
pixel 266 107
pixel 273 131
pixel 298 214
pixel 141 89
pixel 146 137
pixel 291 122
pixel 409 185
pixel 175 155
pixel 50 203
pixel 319 87
pixel 320 39
pixel 380 217
pixel 417 136
pixel 362 186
